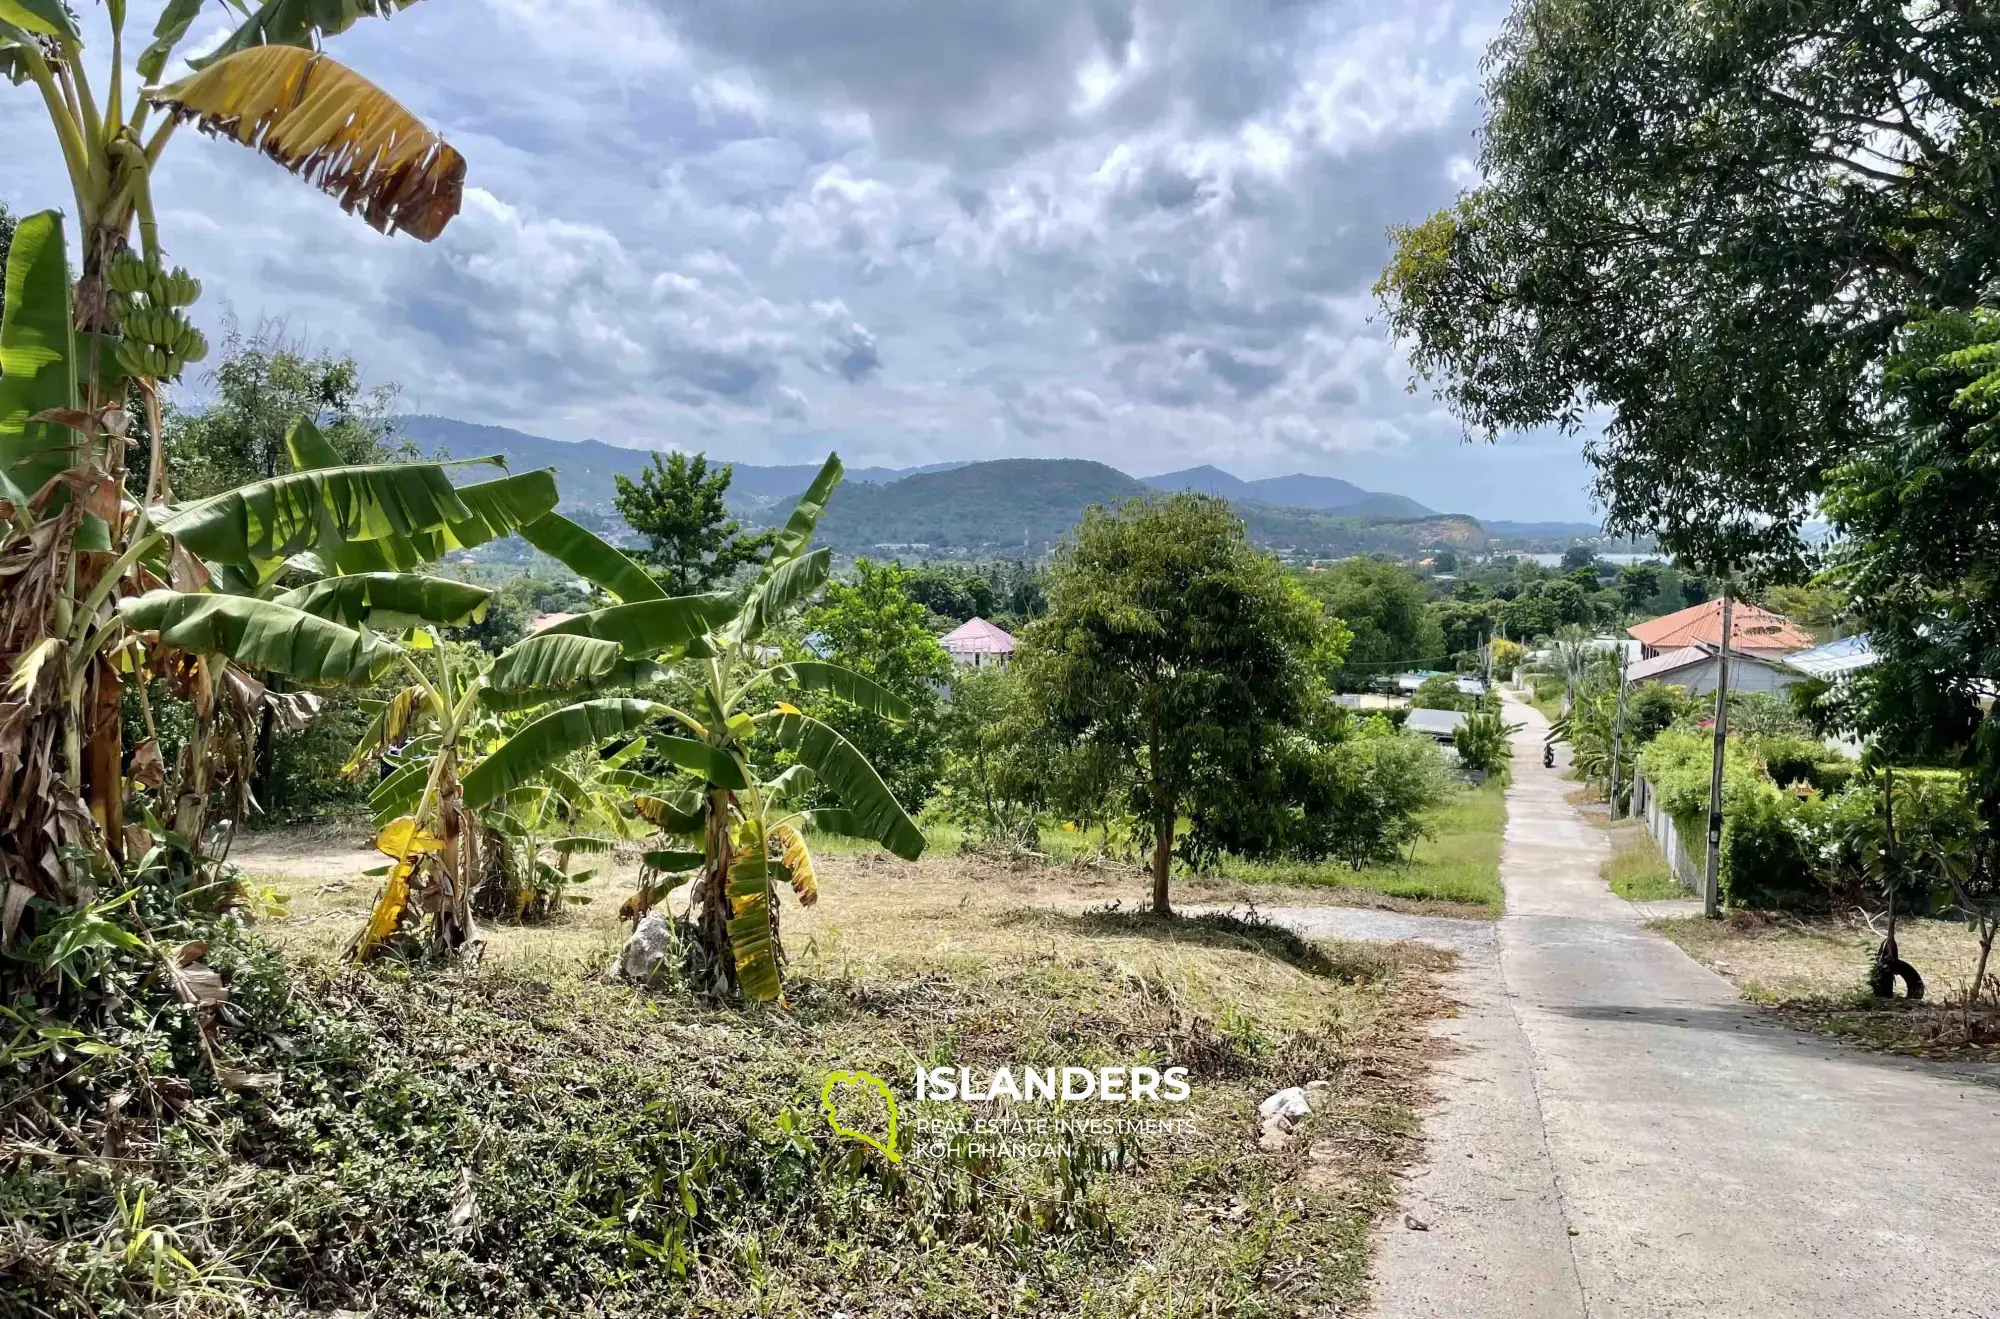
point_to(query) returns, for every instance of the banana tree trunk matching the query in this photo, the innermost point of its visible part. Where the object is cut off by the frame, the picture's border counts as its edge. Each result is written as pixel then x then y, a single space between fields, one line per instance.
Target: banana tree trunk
pixel 712 910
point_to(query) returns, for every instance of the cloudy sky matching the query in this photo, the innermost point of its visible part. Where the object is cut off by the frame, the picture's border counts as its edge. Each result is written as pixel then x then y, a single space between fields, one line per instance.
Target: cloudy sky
pixel 1140 231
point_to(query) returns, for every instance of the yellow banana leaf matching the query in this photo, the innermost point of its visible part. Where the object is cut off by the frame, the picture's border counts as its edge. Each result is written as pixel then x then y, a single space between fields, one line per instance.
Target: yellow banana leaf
pixel 799 862
pixel 332 127
pixel 750 935
pixel 402 837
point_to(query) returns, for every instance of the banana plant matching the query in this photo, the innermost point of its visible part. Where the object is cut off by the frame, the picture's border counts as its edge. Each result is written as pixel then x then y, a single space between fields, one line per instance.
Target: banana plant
pixel 72 548
pixel 97 590
pixel 739 836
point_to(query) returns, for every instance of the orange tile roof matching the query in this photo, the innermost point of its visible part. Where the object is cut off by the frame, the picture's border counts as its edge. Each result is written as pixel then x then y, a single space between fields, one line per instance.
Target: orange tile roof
pixel 1750 628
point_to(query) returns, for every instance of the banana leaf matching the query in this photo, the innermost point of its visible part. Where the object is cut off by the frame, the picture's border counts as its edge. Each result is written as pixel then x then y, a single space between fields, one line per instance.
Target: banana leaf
pixel 777 591
pixel 750 938
pixel 676 625
pixel 260 633
pixel 390 602
pixel 591 558
pixel 547 739
pixel 854 688
pixel 38 368
pixel 853 780
pixel 798 531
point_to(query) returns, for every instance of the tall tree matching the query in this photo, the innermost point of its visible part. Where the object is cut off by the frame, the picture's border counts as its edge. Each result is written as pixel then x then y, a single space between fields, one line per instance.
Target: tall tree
pixel 1176 650
pixel 1383 605
pixel 691 541
pixel 872 626
pixel 263 385
pixel 1708 221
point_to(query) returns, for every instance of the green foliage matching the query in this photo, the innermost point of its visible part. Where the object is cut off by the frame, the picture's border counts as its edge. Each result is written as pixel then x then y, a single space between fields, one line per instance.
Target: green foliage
pixel 1382 604
pixel 691 541
pixel 997 765
pixel 1617 242
pixel 262 385
pixel 871 626
pixel 1638 584
pixel 1178 654
pixel 1440 692
pixel 1482 743
pixel 1364 799
pixel 1006 593
pixel 38 370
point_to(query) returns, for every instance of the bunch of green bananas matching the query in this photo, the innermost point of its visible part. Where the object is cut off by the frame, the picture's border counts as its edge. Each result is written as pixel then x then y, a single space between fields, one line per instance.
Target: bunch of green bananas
pixel 156 339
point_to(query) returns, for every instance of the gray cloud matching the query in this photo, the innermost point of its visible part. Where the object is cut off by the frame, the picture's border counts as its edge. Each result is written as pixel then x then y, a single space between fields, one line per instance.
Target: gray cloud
pixel 1135 230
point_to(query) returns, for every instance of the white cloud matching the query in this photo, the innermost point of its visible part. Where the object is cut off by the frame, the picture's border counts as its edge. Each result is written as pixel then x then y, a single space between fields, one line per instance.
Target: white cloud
pixel 1135 230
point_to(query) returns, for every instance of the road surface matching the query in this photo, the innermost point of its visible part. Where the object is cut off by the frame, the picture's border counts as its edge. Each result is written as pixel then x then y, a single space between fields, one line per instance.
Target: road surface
pixel 1618 1136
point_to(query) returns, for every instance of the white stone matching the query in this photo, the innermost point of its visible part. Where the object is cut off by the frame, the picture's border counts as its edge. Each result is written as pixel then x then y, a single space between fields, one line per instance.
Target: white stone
pixel 1290 1102
pixel 641 957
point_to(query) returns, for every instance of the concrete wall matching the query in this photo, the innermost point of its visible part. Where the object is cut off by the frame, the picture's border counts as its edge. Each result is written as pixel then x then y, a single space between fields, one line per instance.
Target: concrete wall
pixel 1745 675
pixel 1647 804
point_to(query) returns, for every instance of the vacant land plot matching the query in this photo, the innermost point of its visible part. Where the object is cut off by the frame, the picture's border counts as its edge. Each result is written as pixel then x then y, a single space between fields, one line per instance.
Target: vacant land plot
pixel 1814 971
pixel 528 1137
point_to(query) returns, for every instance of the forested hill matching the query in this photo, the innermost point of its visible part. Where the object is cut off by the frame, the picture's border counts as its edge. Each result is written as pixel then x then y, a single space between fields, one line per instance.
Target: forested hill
pixel 1012 505
pixel 585 468
pixel 1008 507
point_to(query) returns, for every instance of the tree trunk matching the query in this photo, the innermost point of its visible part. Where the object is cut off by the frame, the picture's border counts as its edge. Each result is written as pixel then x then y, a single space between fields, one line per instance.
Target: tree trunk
pixel 1163 860
pixel 104 767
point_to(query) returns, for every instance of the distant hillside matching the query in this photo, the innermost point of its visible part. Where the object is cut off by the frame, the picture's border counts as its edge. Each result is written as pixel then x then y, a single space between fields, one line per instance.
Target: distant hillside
pixel 1542 533
pixel 1001 507
pixel 1311 534
pixel 1321 493
pixel 1011 506
pixel 584 468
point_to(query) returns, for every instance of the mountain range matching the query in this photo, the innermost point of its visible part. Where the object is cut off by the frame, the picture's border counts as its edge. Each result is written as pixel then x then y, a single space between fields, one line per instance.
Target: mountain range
pixel 1324 494
pixel 1007 506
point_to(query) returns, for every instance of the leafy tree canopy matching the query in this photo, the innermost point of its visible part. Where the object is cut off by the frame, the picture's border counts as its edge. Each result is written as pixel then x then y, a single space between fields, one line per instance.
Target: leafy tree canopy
pixel 1708 221
pixel 872 626
pixel 1177 649
pixel 263 384
pixel 691 541
pixel 1382 604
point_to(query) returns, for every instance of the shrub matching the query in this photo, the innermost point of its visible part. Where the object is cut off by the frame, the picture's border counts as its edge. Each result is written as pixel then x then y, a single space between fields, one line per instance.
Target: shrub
pixel 1789 759
pixel 1481 742
pixel 1768 856
pixel 1440 692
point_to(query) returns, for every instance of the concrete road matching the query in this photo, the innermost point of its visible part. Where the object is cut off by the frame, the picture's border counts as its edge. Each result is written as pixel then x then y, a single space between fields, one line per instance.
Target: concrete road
pixel 1618 1136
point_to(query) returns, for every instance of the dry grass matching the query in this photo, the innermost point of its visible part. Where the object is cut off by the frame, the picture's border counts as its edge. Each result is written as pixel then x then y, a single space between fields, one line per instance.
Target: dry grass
pixel 1814 971
pixel 975 962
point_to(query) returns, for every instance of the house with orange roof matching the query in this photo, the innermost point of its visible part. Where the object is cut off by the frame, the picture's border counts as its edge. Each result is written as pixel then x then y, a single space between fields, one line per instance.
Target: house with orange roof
pixel 1752 631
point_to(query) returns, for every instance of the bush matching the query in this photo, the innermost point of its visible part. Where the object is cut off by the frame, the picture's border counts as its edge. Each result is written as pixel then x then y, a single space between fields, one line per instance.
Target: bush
pixel 1768 855
pixel 1440 692
pixel 1481 742
pixel 1789 759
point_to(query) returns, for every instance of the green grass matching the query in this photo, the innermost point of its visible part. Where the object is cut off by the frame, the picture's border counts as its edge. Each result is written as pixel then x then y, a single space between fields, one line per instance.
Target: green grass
pixel 1637 872
pixel 1459 862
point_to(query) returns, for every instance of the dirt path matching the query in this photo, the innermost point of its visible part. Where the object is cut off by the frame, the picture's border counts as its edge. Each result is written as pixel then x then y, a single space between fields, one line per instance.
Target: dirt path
pixel 1619 1135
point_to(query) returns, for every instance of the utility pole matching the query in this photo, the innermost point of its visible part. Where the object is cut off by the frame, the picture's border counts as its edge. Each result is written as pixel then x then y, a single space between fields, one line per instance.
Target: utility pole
pixel 1618 726
pixel 1711 897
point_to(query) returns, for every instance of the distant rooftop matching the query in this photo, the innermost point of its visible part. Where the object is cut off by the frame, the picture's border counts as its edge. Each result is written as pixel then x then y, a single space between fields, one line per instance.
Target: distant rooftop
pixel 1835 657
pixel 1750 628
pixel 977 636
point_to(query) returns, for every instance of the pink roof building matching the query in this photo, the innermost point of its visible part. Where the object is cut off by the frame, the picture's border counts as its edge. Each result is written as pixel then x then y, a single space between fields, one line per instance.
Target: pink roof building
pixel 977 642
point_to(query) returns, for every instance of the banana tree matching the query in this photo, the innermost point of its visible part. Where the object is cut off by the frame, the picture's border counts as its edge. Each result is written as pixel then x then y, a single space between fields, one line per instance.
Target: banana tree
pixel 97 590
pixel 739 835
pixel 68 364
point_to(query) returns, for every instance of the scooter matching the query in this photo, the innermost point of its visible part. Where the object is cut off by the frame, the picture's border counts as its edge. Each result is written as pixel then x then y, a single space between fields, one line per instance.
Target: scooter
pixel 1548 755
